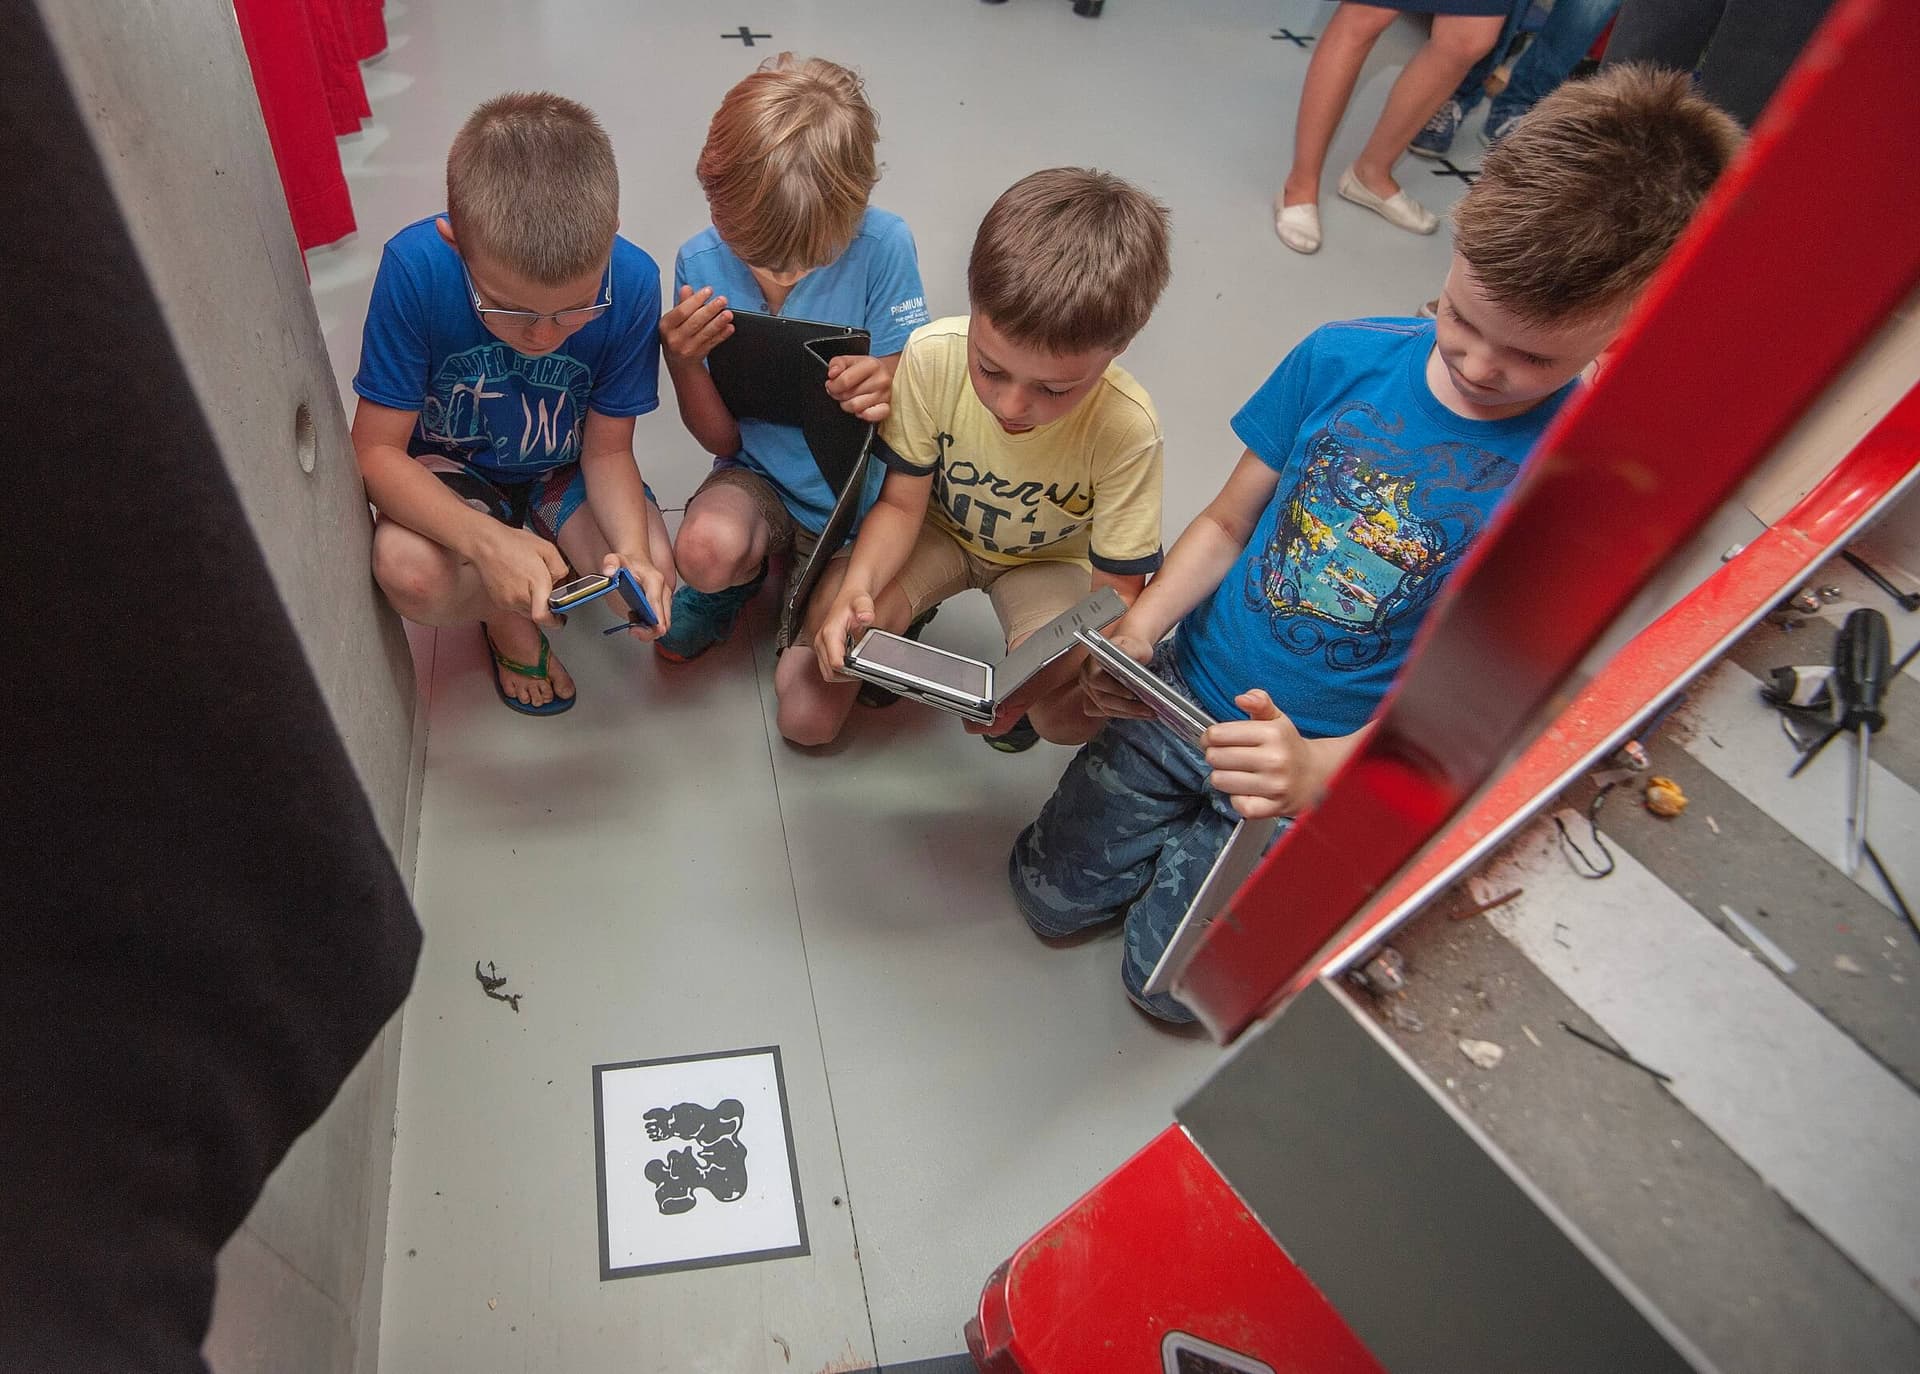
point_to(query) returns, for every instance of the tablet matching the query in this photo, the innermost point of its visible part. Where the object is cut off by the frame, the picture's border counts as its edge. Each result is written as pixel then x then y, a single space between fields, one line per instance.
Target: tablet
pixel 972 687
pixel 774 368
pixel 1239 856
pixel 1169 707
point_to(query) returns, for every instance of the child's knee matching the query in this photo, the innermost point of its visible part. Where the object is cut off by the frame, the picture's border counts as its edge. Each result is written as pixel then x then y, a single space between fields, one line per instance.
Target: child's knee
pixel 810 712
pixel 1162 1006
pixel 714 554
pixel 809 724
pixel 1038 891
pixel 1060 718
pixel 415 573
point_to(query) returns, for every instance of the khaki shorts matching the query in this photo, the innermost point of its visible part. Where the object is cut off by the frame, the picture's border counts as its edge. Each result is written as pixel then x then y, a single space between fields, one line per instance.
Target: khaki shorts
pixel 785 535
pixel 1025 595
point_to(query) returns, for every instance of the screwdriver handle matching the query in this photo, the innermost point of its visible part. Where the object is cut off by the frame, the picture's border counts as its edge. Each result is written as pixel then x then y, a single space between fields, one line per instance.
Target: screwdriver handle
pixel 1862 663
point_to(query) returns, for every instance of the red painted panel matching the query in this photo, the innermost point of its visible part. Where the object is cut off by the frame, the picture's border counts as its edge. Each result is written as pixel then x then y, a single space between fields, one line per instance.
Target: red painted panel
pixel 1801 252
pixel 1658 659
pixel 1163 1244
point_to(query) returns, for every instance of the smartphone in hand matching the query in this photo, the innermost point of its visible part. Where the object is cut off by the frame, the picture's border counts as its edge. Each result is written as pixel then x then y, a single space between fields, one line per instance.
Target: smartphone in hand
pixel 570 596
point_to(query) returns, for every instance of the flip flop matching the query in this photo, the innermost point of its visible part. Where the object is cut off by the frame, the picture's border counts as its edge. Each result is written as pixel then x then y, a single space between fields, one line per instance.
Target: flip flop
pixel 538 672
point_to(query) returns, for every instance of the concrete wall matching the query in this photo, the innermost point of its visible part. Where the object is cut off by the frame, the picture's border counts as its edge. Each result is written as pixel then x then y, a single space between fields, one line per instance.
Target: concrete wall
pixel 176 122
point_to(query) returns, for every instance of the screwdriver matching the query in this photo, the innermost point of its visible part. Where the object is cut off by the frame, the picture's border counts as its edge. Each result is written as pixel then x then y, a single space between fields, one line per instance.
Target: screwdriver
pixel 1862 663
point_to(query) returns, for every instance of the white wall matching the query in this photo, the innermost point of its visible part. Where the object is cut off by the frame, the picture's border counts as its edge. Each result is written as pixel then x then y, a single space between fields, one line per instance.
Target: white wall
pixel 174 117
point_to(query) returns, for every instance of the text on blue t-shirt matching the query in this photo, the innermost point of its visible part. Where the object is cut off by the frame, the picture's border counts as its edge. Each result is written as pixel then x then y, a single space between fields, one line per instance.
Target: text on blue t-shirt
pixel 481 401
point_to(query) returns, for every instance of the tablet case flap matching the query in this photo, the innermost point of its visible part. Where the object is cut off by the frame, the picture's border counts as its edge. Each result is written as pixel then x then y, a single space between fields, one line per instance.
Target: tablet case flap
pixel 774 368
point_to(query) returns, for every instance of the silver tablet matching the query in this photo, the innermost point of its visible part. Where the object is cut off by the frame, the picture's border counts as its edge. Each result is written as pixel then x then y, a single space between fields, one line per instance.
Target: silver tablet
pixel 968 686
pixel 953 682
pixel 1170 708
pixel 1239 856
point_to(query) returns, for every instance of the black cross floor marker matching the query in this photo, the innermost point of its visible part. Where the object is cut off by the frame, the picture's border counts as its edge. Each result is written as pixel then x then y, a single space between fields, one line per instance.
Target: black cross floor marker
pixel 746 35
pixel 1447 169
pixel 1299 40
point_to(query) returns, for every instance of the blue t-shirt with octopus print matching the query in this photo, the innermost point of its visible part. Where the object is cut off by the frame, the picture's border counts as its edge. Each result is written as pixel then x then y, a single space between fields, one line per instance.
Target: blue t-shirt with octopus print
pixel 1382 490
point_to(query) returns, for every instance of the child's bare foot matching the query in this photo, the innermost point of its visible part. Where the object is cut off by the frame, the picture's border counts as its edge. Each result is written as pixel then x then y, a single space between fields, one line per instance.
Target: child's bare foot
pixel 516 645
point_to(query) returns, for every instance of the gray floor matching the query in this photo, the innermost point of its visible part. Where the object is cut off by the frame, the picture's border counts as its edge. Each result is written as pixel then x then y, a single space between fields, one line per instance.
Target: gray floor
pixel 657 874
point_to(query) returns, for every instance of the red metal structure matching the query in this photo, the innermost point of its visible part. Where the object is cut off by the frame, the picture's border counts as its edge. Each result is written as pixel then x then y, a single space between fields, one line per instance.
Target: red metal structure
pixel 1745 326
pixel 1801 254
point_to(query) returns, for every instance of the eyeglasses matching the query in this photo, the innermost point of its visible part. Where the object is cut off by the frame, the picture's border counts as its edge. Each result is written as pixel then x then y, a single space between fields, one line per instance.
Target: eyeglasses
pixel 527 319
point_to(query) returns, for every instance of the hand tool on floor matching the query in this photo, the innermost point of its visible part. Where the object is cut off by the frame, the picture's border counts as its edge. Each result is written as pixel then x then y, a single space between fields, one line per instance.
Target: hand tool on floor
pixel 1907 601
pixel 1862 665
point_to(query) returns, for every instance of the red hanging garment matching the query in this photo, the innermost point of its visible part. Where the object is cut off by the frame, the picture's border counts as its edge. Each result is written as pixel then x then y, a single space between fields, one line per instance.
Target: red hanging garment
pixel 287 75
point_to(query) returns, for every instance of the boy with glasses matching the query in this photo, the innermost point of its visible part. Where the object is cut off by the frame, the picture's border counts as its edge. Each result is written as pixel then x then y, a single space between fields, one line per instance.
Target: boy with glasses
pixel 509 346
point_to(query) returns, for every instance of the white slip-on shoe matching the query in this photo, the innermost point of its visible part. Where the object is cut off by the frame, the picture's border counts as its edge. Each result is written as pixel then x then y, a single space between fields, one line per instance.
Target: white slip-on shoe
pixel 1297 225
pixel 1398 209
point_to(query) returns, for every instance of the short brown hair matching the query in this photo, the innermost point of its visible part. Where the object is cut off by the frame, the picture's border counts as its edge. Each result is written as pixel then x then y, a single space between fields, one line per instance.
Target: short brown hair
pixel 1575 208
pixel 531 182
pixel 1070 259
pixel 789 163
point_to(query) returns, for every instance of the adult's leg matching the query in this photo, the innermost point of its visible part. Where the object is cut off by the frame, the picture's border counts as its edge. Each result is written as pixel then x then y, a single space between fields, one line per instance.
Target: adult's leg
pixel 1458 41
pixel 1571 30
pixel 1473 86
pixel 1750 52
pixel 1331 73
pixel 1667 33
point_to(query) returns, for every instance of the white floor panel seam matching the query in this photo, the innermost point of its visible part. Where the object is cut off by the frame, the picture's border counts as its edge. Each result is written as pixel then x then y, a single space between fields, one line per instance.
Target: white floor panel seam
pixel 1788 1091
pixel 760 680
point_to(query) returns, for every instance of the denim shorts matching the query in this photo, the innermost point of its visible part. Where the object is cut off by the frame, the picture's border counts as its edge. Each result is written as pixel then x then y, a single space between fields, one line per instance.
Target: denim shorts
pixel 1128 835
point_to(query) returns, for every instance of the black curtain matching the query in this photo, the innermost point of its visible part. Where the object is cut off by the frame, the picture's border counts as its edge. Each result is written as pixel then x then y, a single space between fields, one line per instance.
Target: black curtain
pixel 203 929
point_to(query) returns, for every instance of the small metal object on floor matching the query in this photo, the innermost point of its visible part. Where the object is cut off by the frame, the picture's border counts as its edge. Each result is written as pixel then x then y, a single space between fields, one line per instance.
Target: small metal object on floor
pixel 1615 1051
pixel 1906 601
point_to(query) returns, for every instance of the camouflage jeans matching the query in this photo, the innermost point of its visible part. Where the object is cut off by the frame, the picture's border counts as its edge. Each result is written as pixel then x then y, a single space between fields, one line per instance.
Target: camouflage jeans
pixel 1128 834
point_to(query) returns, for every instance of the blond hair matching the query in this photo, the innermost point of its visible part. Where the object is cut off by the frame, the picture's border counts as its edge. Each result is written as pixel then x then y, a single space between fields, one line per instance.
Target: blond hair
pixel 1070 259
pixel 789 163
pixel 531 183
pixel 1575 209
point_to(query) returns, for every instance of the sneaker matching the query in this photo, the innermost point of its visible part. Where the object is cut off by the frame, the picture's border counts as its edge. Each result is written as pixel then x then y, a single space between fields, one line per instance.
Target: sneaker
pixel 1499 122
pixel 1437 138
pixel 1020 737
pixel 703 619
pixel 872 693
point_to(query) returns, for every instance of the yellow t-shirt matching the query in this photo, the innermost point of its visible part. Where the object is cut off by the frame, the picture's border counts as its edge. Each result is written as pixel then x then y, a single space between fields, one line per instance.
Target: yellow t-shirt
pixel 1083 488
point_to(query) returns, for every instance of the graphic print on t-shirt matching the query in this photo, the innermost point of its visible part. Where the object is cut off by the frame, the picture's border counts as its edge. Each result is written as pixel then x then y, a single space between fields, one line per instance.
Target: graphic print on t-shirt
pixel 1002 516
pixel 1359 542
pixel 501 409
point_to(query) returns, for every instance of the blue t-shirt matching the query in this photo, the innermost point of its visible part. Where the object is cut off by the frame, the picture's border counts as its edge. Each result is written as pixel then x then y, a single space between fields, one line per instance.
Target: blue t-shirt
pixel 874 285
pixel 1381 491
pixel 481 401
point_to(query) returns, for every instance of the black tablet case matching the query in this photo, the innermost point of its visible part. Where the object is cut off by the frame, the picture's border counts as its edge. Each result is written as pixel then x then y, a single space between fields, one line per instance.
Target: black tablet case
pixel 774 368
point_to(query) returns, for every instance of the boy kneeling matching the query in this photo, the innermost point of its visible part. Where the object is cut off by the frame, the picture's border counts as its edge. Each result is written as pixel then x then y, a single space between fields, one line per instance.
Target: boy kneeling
pixel 1022 460
pixel 1375 454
